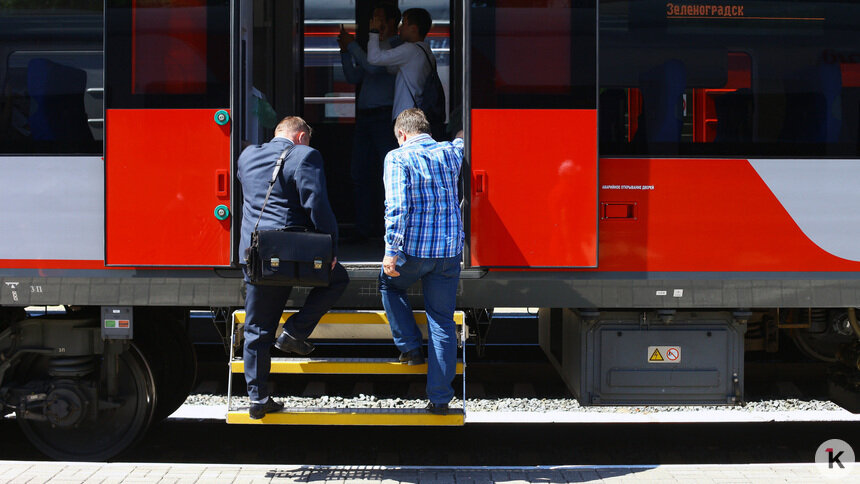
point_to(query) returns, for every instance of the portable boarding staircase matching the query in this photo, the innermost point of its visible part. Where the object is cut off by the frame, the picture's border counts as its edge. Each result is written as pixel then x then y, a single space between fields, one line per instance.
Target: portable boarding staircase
pixel 367 324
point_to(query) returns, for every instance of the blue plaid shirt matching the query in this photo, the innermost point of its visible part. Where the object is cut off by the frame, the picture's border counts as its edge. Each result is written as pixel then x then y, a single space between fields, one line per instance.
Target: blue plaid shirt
pixel 422 213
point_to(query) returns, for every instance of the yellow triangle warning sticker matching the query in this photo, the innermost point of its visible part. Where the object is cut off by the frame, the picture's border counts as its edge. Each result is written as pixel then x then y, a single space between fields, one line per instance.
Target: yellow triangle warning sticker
pixel 656 356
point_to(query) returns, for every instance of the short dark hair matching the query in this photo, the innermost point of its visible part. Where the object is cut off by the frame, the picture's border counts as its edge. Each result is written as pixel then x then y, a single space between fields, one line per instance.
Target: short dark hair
pixel 391 11
pixel 421 18
pixel 412 121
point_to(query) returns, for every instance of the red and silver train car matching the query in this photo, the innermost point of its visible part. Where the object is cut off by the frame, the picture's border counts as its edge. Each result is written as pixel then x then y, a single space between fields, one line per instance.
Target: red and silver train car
pixel 673 182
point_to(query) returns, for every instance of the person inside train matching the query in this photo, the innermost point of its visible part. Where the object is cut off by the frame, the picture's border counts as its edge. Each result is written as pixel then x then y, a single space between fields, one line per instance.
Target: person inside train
pixel 373 138
pixel 410 59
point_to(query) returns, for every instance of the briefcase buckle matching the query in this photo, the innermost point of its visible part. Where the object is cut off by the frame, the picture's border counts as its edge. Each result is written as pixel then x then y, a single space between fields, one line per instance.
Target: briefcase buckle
pixel 317 263
pixel 275 262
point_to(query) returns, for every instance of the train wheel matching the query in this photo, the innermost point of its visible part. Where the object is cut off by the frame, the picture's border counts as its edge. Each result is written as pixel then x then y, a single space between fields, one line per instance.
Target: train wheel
pixel 823 345
pixel 113 430
pixel 165 343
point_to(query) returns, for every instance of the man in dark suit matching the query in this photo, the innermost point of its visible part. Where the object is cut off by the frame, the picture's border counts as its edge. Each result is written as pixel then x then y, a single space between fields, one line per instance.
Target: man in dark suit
pixel 299 197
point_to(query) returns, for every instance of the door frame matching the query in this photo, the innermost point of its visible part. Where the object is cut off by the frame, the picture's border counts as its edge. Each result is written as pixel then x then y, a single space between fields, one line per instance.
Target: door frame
pixel 283 100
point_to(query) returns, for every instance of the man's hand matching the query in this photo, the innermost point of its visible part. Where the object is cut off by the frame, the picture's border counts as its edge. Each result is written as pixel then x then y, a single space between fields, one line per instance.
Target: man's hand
pixel 344 39
pixel 333 263
pixel 389 266
pixel 460 134
pixel 376 23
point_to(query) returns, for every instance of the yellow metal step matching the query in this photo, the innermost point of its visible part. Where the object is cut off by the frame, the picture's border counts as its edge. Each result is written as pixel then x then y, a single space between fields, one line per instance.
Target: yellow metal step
pixel 342 366
pixel 354 317
pixel 351 416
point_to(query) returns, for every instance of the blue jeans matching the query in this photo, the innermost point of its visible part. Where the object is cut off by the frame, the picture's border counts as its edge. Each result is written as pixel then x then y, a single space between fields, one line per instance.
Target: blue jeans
pixel 439 280
pixel 374 138
pixel 263 308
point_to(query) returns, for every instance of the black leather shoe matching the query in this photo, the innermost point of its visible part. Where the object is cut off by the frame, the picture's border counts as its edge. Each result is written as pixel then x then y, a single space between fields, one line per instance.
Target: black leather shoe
pixel 288 344
pixel 412 357
pixel 259 410
pixel 437 408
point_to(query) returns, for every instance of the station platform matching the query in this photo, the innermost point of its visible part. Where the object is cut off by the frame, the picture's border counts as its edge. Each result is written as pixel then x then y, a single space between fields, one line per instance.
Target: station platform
pixel 122 473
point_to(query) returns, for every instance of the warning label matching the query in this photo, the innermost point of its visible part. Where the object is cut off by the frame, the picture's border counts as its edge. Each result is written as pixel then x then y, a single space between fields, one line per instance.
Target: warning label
pixel 664 354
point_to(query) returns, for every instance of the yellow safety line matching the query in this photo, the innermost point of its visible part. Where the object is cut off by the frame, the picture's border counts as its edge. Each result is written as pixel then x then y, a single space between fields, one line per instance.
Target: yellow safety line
pixel 355 317
pixel 343 367
pixel 348 417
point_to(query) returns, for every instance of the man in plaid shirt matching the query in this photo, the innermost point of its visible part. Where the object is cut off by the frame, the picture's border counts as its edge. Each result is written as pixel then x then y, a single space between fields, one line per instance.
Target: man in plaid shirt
pixel 423 240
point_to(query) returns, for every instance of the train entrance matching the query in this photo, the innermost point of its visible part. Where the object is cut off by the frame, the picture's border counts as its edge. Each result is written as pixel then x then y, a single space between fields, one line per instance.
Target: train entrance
pixel 530 120
pixel 292 64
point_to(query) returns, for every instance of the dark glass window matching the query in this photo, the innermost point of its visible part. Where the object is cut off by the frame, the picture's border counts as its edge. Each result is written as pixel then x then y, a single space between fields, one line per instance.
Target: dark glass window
pixel 168 54
pixel 51 79
pixel 729 78
pixel 533 54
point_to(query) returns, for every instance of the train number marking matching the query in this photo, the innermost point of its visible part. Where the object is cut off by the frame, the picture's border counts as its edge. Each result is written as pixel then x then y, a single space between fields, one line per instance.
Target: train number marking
pixel 36 289
pixel 662 293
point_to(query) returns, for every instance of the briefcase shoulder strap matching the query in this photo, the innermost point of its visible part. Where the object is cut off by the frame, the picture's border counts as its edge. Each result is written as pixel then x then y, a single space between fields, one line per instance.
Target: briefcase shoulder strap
pixel 275 173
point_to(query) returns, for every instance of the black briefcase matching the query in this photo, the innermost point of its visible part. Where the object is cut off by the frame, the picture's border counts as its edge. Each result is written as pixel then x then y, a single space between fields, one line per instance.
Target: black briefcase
pixel 292 256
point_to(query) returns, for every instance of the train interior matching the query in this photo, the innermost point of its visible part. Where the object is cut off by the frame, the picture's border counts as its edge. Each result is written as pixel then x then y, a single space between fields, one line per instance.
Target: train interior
pixel 323 96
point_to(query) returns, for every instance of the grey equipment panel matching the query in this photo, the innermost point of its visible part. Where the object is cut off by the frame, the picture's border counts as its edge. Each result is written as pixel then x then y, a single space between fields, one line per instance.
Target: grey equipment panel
pixel 117 322
pixel 635 358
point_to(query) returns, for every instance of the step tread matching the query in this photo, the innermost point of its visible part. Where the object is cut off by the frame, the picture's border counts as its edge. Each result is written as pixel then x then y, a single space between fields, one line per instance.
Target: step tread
pixel 354 317
pixel 351 416
pixel 337 365
pixel 351 410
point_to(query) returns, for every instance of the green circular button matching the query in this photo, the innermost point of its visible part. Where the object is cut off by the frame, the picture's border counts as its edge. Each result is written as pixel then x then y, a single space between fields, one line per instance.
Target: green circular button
pixel 222 212
pixel 222 117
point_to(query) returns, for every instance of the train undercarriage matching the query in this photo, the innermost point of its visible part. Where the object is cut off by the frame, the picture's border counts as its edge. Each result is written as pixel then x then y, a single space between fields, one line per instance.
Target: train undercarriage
pixel 79 396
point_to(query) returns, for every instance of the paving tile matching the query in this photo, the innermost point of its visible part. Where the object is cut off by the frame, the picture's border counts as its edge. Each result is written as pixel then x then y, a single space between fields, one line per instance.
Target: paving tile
pixel 112 480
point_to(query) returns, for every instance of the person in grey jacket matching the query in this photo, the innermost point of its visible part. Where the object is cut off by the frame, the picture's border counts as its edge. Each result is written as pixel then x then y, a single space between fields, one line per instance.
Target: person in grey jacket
pixel 299 198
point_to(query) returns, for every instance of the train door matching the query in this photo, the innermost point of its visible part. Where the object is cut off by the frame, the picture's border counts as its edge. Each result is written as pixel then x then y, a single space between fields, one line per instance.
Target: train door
pixel 168 129
pixel 532 81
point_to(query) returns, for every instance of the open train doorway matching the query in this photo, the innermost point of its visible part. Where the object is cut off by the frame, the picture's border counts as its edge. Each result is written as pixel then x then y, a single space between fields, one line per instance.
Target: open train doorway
pixel 291 63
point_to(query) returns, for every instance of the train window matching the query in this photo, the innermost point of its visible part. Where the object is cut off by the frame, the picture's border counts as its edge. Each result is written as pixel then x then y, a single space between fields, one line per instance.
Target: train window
pixel 168 54
pixel 51 78
pixel 533 54
pixel 753 78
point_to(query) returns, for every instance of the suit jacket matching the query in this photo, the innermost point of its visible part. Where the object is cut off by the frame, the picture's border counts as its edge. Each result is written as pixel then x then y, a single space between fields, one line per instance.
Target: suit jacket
pixel 299 196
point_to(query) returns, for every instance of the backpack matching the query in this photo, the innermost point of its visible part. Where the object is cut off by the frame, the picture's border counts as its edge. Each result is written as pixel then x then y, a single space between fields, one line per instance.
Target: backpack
pixel 433 97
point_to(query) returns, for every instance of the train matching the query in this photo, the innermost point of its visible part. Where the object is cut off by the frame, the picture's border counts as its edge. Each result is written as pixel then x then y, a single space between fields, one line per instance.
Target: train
pixel 669 182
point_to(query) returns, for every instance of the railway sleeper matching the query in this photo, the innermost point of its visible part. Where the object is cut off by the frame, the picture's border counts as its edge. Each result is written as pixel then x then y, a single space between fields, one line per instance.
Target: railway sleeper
pixel 358 325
